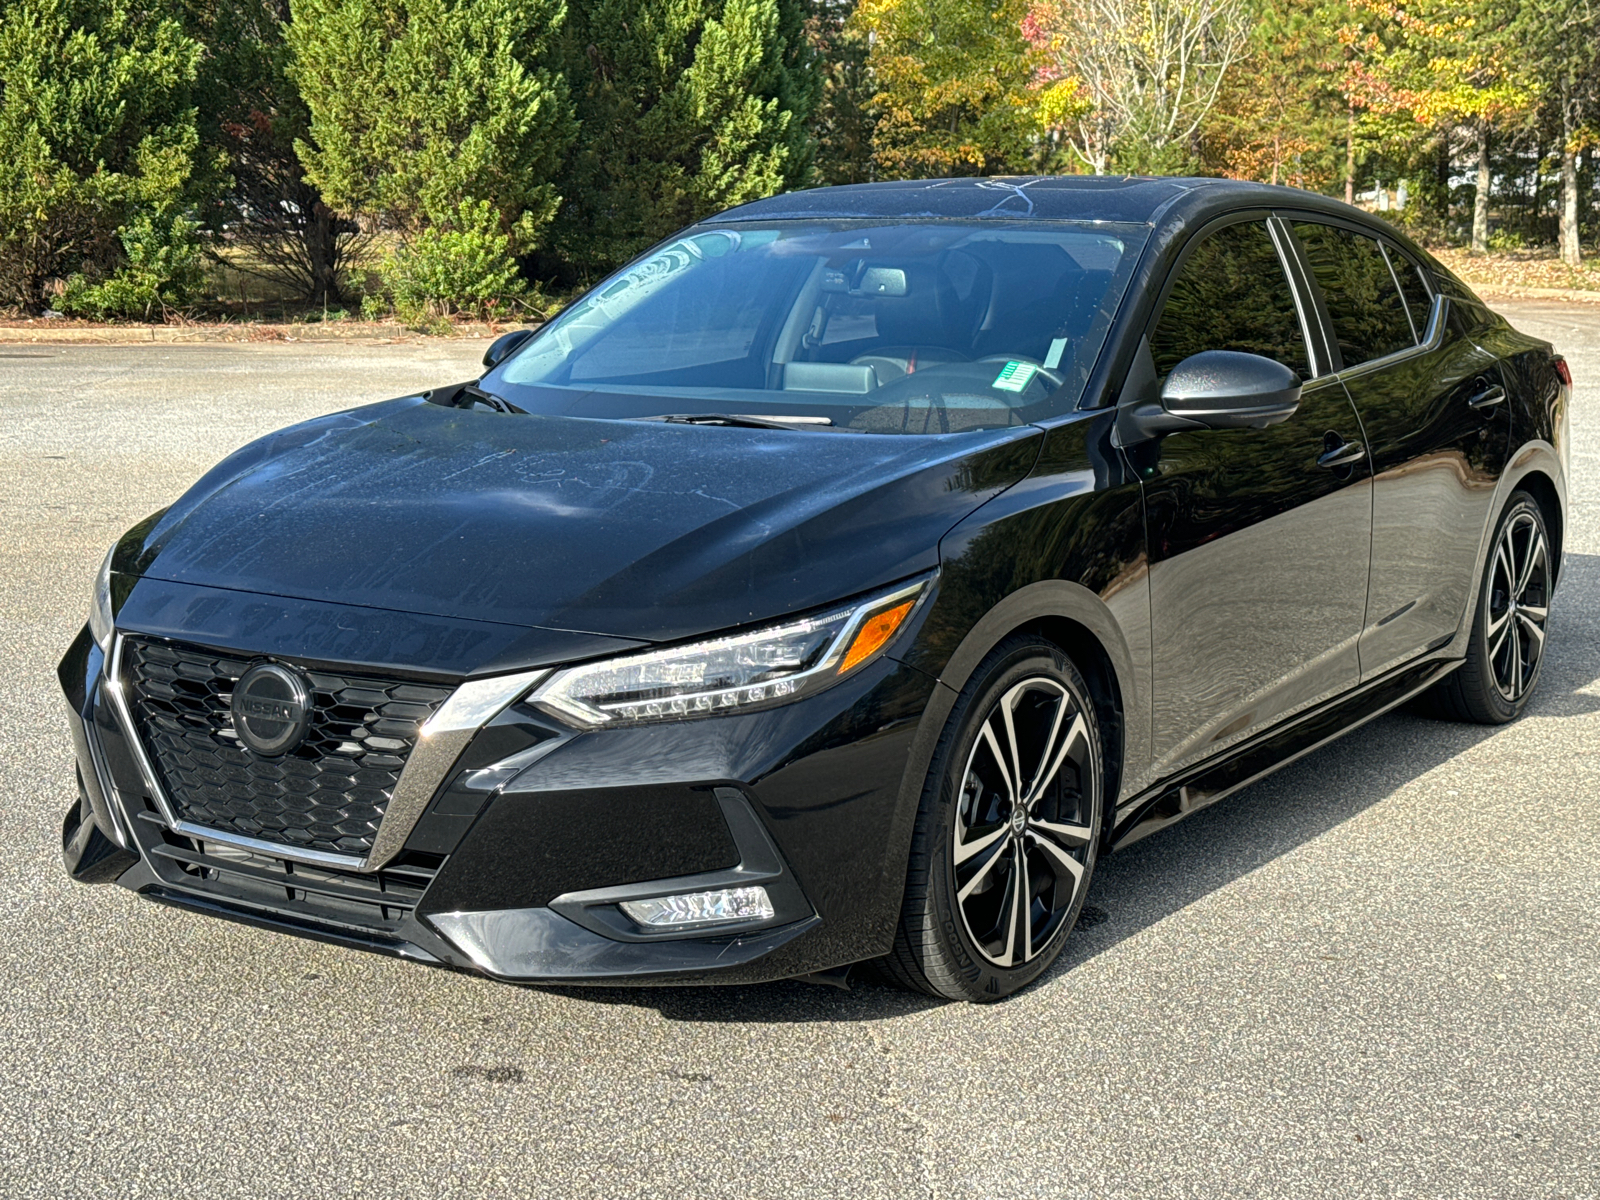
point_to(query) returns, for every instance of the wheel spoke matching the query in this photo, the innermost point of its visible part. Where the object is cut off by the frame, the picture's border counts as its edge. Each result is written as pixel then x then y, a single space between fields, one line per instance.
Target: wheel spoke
pixel 1536 612
pixel 1535 554
pixel 965 850
pixel 1073 835
pixel 999 759
pixel 1502 564
pixel 1056 755
pixel 1069 864
pixel 1497 632
pixel 1008 706
pixel 980 874
pixel 1516 664
pixel 1535 634
pixel 1021 907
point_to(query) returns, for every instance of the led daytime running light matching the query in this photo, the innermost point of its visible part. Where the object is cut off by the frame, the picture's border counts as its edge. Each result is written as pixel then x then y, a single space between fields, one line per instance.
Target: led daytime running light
pixel 731 674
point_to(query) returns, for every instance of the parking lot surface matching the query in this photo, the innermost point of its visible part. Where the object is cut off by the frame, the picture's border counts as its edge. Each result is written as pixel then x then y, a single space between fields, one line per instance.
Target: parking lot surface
pixel 1376 973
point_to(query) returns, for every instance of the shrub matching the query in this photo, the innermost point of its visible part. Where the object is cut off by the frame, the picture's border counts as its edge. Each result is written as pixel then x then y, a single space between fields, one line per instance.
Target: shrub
pixel 164 269
pixel 460 264
pixel 415 104
pixel 95 127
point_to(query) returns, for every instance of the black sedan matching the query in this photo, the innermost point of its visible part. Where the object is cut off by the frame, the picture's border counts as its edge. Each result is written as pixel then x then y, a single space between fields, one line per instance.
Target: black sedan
pixel 834 583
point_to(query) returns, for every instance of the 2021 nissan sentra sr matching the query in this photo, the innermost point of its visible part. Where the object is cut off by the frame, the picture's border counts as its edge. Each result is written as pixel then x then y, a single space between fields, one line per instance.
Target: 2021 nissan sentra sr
pixel 833 583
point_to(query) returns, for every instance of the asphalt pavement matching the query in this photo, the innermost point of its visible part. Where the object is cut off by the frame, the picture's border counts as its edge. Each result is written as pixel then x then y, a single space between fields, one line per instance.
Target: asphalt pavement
pixel 1376 973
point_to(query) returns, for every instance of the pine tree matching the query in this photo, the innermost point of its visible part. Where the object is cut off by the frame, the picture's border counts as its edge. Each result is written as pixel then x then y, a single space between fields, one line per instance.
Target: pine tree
pixel 685 107
pixel 251 115
pixel 844 118
pixel 97 136
pixel 1280 114
pixel 420 105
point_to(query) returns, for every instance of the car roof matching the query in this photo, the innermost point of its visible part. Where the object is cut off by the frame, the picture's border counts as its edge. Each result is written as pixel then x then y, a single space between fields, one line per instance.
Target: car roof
pixel 1142 199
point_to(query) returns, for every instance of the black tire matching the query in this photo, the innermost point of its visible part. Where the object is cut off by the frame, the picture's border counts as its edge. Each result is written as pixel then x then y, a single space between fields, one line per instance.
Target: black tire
pixel 1509 621
pixel 967 798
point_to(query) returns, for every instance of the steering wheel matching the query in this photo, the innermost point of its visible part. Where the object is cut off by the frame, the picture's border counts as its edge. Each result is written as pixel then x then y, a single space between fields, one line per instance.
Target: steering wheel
pixel 1047 372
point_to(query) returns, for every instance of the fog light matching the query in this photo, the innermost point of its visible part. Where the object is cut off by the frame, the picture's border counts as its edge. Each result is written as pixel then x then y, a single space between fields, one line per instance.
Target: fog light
pixel 701 908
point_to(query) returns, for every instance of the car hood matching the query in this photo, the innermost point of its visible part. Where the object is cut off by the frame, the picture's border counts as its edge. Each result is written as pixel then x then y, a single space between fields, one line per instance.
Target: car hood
pixel 631 529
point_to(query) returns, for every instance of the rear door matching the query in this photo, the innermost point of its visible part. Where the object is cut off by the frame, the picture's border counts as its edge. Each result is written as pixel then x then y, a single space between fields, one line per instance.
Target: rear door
pixel 1427 397
pixel 1258 551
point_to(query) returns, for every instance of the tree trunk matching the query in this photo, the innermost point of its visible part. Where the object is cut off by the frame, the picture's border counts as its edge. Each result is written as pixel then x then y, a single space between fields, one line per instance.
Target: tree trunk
pixel 1571 252
pixel 1350 158
pixel 1480 199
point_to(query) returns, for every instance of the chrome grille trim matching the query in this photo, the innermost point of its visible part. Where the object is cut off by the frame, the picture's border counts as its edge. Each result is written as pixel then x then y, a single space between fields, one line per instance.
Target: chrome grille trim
pixel 442 739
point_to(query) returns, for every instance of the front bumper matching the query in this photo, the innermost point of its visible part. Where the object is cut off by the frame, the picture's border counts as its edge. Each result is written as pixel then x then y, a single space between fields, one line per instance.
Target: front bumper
pixel 517 864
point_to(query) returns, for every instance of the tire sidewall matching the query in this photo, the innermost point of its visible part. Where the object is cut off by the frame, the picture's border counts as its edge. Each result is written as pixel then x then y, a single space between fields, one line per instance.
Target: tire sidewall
pixel 1007 665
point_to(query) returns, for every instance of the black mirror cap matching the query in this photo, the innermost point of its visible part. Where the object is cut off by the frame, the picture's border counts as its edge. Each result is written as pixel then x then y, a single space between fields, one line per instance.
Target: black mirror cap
pixel 502 346
pixel 1228 389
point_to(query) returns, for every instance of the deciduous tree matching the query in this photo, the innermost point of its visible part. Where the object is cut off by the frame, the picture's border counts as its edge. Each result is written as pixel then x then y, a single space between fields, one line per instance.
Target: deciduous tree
pixel 1150 71
pixel 955 89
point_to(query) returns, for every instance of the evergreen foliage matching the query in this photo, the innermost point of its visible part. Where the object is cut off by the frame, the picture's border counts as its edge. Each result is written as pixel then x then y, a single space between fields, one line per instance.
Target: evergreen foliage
pixel 844 119
pixel 251 116
pixel 417 105
pixel 685 107
pixel 97 134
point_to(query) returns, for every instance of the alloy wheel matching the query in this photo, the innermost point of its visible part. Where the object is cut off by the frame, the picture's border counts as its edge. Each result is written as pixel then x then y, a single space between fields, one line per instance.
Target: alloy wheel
pixel 1519 596
pixel 1023 828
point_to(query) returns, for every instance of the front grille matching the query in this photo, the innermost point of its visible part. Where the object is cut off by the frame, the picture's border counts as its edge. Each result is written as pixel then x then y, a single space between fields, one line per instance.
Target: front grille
pixel 328 794
pixel 375 903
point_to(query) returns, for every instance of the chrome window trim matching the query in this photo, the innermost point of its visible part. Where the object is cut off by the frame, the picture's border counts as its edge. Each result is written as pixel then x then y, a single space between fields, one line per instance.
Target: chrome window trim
pixel 1435 340
pixel 1394 276
pixel 442 739
pixel 1278 232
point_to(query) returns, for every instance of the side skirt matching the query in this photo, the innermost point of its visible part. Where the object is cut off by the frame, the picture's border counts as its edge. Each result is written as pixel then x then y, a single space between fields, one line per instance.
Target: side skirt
pixel 1204 784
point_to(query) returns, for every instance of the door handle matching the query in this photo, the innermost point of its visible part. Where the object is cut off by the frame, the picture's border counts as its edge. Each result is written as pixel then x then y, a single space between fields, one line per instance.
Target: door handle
pixel 1342 455
pixel 1488 398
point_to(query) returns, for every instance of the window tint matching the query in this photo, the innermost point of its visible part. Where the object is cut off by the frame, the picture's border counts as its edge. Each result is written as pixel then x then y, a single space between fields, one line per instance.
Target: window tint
pixel 1369 315
pixel 1447 284
pixel 1231 294
pixel 1414 290
pixel 897 327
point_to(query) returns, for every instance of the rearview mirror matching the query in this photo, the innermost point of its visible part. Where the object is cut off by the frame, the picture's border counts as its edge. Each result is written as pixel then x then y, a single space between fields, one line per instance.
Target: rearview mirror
pixel 1221 389
pixel 502 346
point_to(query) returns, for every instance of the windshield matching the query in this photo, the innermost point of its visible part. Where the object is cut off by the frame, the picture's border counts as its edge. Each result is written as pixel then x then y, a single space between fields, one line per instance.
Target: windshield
pixel 916 327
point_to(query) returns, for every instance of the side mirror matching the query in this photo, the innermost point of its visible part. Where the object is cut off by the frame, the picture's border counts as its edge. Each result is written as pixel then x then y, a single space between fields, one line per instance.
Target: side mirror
pixel 502 346
pixel 1220 389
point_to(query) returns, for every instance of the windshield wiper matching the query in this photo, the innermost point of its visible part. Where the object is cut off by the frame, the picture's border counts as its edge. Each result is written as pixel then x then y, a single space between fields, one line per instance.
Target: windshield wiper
pixel 489 400
pixel 743 421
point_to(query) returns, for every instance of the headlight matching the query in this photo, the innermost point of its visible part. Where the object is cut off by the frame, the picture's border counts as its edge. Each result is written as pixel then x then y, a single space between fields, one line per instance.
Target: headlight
pixel 732 674
pixel 100 606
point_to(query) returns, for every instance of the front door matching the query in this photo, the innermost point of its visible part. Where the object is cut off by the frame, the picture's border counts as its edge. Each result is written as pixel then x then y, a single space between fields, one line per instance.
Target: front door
pixel 1258 551
pixel 1437 458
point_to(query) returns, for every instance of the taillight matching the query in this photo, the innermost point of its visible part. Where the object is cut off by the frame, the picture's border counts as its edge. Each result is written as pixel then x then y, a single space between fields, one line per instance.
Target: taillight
pixel 1563 371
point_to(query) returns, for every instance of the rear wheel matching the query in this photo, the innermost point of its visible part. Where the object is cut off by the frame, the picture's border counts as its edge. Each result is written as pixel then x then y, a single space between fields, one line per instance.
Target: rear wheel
pixel 1007 832
pixel 1508 628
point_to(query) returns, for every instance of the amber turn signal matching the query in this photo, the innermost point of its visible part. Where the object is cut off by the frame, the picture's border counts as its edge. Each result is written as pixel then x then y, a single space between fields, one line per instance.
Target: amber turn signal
pixel 875 631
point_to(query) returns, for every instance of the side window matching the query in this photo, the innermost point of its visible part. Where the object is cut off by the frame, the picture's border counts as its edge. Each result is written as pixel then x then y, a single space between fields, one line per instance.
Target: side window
pixel 1413 288
pixel 1368 312
pixel 1231 294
